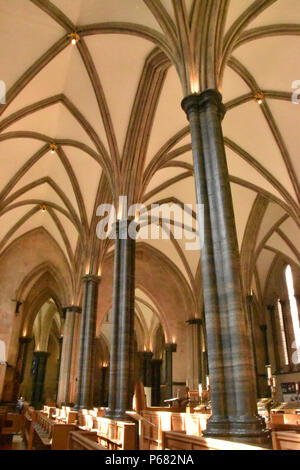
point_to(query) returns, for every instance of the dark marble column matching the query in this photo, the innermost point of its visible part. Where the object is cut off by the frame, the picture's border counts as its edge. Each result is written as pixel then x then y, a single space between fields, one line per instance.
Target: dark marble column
pixel 145 367
pixel 265 338
pixel 66 355
pixel 271 309
pixel 122 373
pixel 249 302
pixel 195 324
pixel 104 371
pixel 39 364
pixel 84 397
pixel 20 365
pixel 155 380
pixel 236 352
pixel 218 424
pixel 170 348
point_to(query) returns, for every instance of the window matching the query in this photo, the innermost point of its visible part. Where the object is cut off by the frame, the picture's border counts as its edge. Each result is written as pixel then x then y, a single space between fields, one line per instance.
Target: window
pixel 282 333
pixel 293 305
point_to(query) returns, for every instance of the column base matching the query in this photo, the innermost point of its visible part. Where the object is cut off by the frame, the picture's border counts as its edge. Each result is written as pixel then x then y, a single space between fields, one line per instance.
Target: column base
pixel 120 415
pixel 247 426
pixel 217 426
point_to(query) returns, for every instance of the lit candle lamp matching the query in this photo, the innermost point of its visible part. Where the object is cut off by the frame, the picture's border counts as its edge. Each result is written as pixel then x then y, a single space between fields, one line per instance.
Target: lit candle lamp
pixel 269 372
pixel 207 382
pixel 200 390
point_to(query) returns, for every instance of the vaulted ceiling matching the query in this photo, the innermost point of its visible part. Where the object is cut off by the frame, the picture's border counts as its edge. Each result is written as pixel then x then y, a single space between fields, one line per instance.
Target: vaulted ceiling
pixel 111 106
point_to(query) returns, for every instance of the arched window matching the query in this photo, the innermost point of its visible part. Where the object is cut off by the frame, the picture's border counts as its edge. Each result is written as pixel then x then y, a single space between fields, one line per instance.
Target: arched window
pixel 293 305
pixel 282 333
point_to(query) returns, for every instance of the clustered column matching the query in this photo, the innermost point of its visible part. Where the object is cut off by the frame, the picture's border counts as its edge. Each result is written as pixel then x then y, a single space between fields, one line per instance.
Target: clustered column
pixel 84 398
pixel 66 355
pixel 39 371
pixel 170 348
pixel 121 379
pixel 230 360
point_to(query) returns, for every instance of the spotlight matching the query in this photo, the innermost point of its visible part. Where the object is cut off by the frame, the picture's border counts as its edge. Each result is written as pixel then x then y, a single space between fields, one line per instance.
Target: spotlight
pixel 259 97
pixel 53 148
pixel 43 208
pixel 74 38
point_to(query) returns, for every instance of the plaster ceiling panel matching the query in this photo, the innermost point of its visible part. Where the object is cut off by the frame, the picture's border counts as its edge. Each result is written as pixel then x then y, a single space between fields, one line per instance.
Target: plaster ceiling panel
pixel 183 190
pixel 88 173
pixel 10 218
pixel 55 122
pixel 280 12
pixel 43 192
pixel 236 8
pixel 71 8
pixel 140 293
pixel 50 81
pixel 167 248
pixel 13 154
pixel 272 71
pixel 272 215
pixel 146 313
pixel 79 90
pixel 239 168
pixel 276 242
pixel 162 176
pixel 40 220
pixel 287 117
pixel 192 256
pixel 233 86
pixel 27 34
pixel 291 230
pixel 186 158
pixel 100 11
pixel 243 200
pixel 263 265
pixel 119 61
pixel 49 166
pixel 169 117
pixel 70 230
pixel 257 140
pixel 43 122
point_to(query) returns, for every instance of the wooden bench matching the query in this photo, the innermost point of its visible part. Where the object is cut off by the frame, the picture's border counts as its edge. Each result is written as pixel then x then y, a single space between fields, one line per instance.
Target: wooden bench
pixel 160 420
pixel 48 434
pixel 116 435
pixel 27 430
pixel 285 436
pixel 84 440
pixel 179 441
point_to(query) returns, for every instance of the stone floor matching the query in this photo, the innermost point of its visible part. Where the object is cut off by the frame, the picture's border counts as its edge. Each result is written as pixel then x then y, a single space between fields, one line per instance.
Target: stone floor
pixel 16 443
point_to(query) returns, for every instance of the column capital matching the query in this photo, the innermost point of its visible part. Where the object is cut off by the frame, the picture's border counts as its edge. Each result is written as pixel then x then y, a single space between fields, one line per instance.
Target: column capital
pixel 199 101
pixel 91 278
pixel 194 321
pixel 172 347
pixel 25 340
pixel 73 308
pixel 249 298
pixel 146 354
pixel 41 353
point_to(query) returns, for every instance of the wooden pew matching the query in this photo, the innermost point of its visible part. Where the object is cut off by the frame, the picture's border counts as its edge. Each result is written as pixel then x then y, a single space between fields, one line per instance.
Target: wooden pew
pixel 84 440
pixel 179 441
pixel 29 417
pixel 116 435
pixel 48 434
pixel 285 436
pixel 160 420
